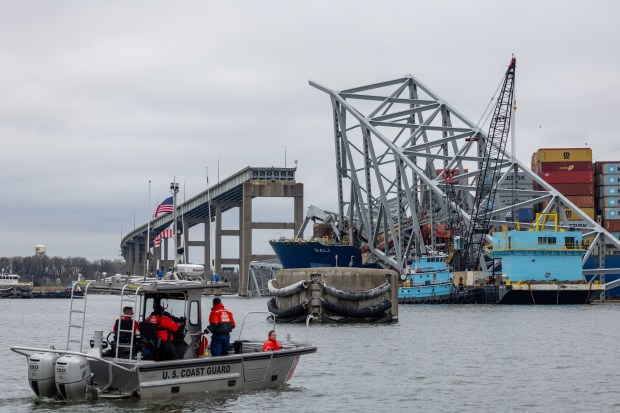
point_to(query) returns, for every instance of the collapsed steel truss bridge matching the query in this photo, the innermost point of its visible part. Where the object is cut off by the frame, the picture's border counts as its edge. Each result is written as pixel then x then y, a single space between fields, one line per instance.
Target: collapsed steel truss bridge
pixel 394 141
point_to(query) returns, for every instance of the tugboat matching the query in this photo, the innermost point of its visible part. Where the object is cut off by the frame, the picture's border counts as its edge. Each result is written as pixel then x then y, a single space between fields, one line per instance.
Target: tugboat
pixel 12 287
pixel 132 366
pixel 430 280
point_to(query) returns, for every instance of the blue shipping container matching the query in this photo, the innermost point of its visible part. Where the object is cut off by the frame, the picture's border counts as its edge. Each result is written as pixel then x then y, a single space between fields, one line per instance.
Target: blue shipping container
pixel 524 214
pixel 603 191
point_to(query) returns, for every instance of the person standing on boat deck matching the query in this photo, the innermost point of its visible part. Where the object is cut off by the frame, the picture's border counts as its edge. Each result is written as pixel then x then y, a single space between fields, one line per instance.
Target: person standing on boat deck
pixel 221 323
pixel 165 327
pixel 271 344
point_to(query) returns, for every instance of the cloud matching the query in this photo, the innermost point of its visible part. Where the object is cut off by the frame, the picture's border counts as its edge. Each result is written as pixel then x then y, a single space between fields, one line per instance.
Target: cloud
pixel 100 98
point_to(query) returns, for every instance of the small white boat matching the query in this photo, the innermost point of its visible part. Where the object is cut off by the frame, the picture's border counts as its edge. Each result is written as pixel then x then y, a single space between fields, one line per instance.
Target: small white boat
pixel 124 370
pixel 11 286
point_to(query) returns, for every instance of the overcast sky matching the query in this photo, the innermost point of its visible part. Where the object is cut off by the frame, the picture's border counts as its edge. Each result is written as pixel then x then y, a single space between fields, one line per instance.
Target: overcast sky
pixel 98 98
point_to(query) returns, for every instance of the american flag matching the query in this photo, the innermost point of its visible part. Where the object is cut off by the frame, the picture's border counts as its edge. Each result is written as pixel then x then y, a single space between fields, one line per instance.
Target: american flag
pixel 166 206
pixel 167 233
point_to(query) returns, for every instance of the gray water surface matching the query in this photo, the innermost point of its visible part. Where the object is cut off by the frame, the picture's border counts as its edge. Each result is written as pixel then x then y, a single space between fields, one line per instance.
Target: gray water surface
pixel 437 358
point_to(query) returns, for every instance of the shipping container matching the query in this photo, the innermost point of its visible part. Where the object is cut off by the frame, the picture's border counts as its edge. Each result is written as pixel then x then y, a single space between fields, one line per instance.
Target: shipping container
pixel 523 214
pixel 563 167
pixel 612 225
pixel 584 201
pixel 603 191
pixel 568 177
pixel 575 217
pixel 607 202
pixel 535 159
pixel 522 179
pixel 565 155
pixel 575 189
pixel 509 185
pixel 509 200
pixel 568 212
pixel 526 215
pixel 606 168
pixel 610 213
pixel 608 180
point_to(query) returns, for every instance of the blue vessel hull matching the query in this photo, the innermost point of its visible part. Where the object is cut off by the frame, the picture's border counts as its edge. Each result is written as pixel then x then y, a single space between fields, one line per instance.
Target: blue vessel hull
pixel 310 254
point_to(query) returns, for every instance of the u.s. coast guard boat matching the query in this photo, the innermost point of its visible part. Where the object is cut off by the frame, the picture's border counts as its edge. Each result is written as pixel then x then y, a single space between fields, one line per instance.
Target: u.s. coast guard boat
pixel 132 366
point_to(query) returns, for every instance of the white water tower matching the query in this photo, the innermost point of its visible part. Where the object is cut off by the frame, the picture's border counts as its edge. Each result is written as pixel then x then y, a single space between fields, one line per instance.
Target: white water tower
pixel 39 249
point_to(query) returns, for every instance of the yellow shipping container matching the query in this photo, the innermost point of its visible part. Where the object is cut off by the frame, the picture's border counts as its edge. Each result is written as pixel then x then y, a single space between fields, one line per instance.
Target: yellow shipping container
pixel 565 155
pixel 574 217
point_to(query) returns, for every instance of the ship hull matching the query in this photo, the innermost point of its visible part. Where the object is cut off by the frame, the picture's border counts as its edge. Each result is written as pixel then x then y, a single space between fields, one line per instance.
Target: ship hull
pixel 311 254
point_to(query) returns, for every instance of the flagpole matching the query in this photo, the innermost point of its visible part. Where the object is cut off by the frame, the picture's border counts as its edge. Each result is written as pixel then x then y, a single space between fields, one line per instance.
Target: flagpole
pixel 208 264
pixel 148 235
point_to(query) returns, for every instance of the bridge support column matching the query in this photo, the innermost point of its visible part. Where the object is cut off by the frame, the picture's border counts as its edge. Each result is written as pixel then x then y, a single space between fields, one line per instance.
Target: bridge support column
pixel 185 224
pixel 245 244
pixel 268 189
pixel 130 260
pixel 136 262
pixel 218 238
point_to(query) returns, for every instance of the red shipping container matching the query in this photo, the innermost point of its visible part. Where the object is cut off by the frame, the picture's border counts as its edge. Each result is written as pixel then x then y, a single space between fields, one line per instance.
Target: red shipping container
pixel 582 201
pixel 568 177
pixel 612 225
pixel 564 167
pixel 575 189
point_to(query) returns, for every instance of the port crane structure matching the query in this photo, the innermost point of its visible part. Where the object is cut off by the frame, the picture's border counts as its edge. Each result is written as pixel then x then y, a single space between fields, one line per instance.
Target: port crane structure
pixel 397 143
pixel 493 157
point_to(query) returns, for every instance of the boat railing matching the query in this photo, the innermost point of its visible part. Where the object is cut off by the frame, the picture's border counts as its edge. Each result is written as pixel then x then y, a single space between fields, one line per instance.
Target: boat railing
pixel 538 246
pixel 440 268
pixel 424 284
pixel 270 314
pixel 308 318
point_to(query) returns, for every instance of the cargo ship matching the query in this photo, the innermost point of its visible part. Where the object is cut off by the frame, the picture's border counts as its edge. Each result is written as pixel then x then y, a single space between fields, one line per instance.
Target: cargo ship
pixel 299 253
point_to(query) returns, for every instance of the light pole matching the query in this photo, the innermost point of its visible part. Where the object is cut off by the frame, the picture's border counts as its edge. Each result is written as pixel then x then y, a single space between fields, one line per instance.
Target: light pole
pixel 218 170
pixel 284 146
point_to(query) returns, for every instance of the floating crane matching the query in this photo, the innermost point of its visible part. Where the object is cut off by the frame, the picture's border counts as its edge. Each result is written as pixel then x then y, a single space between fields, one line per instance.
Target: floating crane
pixel 466 256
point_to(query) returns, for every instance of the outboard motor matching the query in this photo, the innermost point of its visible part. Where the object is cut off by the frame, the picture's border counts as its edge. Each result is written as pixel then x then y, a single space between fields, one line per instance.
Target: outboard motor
pixel 41 367
pixel 72 377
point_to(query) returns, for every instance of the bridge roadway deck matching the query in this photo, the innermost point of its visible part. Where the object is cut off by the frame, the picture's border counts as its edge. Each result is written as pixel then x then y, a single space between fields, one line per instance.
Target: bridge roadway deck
pixel 228 194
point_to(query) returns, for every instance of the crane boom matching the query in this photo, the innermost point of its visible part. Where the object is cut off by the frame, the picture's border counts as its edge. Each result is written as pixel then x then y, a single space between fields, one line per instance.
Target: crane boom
pixel 493 157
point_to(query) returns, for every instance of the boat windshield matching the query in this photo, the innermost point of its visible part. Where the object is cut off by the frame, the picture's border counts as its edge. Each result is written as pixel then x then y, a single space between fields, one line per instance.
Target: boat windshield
pixel 174 306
